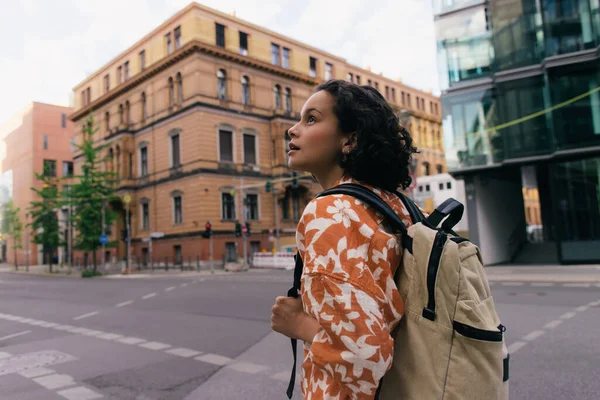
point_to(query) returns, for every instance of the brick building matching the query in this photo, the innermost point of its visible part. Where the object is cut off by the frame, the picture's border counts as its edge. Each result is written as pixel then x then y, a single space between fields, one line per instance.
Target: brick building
pixel 38 135
pixel 199 108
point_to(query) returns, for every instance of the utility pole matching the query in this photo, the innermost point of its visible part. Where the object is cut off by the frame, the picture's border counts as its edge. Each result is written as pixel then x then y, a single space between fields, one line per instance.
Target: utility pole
pixel 275 190
pixel 127 200
pixel 103 230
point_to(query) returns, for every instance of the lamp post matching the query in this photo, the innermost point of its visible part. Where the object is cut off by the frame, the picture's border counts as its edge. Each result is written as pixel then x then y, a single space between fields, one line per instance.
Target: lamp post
pixel 127 200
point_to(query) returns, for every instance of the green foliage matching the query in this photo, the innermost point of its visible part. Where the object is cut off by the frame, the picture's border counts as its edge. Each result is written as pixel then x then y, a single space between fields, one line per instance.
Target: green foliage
pixel 90 273
pixel 12 226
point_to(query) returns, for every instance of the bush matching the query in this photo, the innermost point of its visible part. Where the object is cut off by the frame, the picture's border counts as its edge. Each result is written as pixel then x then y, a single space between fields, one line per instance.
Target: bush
pixel 90 273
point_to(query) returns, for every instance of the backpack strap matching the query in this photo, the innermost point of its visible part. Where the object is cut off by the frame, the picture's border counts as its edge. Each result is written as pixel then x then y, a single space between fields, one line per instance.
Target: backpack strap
pixel 294 292
pixel 450 208
pixel 415 212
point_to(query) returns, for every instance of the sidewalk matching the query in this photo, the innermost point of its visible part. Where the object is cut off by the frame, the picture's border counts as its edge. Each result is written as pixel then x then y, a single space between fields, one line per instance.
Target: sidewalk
pixel 544 273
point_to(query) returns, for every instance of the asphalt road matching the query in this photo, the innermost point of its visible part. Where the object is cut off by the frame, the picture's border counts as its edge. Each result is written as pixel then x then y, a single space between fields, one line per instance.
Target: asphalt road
pixel 208 337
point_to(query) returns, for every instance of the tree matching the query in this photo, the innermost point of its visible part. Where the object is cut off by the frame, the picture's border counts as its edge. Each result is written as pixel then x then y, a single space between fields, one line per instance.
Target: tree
pixel 12 226
pixel 43 213
pixel 93 191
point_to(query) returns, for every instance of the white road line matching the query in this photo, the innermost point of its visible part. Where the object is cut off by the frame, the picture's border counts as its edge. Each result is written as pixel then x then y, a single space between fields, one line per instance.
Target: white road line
pixel 182 352
pixel 36 372
pixel 169 288
pixel 55 381
pixel 582 308
pixel 148 296
pixel 125 303
pixel 512 283
pixel 4 354
pixel 91 314
pixel 110 336
pixel 214 359
pixel 131 340
pixel 542 284
pixel 79 393
pixel 576 284
pixel 568 315
pixel 594 303
pixel 155 346
pixel 283 376
pixel 183 285
pixel 247 367
pixel 553 324
pixel 533 335
pixel 15 335
pixel 513 348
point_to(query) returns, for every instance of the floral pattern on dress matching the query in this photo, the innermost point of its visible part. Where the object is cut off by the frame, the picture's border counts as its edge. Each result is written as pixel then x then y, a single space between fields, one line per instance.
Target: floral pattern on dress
pixel 348 286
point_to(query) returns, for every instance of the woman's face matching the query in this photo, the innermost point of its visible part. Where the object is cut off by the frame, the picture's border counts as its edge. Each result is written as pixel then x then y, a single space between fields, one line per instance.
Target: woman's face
pixel 316 139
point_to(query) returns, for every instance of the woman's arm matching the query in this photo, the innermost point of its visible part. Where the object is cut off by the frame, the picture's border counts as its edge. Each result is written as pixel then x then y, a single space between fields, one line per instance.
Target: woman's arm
pixel 289 319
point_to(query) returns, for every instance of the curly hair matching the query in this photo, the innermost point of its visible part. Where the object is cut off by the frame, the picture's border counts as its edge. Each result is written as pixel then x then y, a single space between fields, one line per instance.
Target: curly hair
pixel 383 150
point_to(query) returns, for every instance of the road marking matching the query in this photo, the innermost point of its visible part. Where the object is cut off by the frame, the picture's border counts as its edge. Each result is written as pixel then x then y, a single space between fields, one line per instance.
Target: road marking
pixel 594 303
pixel 36 372
pixel 91 314
pixel 183 285
pixel 4 354
pixel 577 285
pixel 283 376
pixel 125 303
pixel 155 346
pixel 513 348
pixel 91 332
pixel 55 381
pixel 542 284
pixel 182 352
pixel 79 393
pixel 533 335
pixel 568 315
pixel 247 367
pixel 582 308
pixel 553 324
pixel 109 336
pixel 512 283
pixel 148 296
pixel 131 340
pixel 15 335
pixel 169 289
pixel 214 359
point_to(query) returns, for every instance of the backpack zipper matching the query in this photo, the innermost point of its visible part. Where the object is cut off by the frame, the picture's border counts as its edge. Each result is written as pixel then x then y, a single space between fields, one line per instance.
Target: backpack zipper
pixel 478 334
pixel 432 270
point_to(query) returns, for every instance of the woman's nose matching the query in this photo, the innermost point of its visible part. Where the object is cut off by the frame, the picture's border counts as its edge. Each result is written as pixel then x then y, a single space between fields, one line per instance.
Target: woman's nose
pixel 292 131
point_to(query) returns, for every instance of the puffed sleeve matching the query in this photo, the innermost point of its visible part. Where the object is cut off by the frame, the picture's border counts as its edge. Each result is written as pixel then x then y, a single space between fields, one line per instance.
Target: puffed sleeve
pixel 343 288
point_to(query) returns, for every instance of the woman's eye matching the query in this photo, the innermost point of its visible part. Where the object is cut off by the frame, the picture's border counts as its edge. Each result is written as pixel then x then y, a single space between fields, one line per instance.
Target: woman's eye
pixel 311 119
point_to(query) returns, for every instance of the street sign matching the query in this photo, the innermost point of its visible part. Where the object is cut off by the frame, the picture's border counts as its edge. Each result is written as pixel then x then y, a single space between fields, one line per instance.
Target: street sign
pixel 103 239
pixel 157 235
pixel 127 199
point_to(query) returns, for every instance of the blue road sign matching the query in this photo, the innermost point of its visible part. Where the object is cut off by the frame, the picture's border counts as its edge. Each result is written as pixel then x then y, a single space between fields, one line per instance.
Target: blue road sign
pixel 103 239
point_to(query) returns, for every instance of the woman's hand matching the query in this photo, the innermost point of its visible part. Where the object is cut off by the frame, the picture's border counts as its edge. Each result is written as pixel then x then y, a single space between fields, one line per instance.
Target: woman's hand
pixel 289 319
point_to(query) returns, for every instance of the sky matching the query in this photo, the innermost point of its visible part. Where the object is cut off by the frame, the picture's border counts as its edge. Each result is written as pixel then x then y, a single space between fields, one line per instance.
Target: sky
pixel 51 46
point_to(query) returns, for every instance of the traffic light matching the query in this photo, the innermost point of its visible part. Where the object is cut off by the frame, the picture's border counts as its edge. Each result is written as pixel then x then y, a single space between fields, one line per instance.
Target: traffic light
pixel 124 235
pixel 295 179
pixel 238 229
pixel 207 230
pixel 268 187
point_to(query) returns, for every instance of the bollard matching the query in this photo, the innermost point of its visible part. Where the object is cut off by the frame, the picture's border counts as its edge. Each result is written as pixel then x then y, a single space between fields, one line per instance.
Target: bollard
pixel 190 262
pixel 197 263
pixel 181 264
pixel 166 263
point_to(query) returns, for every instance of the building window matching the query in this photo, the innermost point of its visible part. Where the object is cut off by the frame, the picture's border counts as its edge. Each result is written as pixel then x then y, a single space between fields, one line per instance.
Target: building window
pixel 126 70
pixel 420 188
pixel 179 88
pixel 387 92
pixel 377 86
pixel 249 149
pixel 127 114
pixel 427 188
pixel 88 96
pixel 426 170
pixel 350 77
pixel 393 95
pixel 175 151
pixel 288 100
pixel 243 43
pixel 228 211
pixel 118 151
pixel 439 169
pixel 252 207
pixel 72 145
pixel 313 67
pixel 106 83
pixel 121 115
pixel 285 206
pixel 448 185
pixel 144 107
pixel 142 60
pixel 328 71
pixel 177 210
pixel 225 146
pixel 178 255
pixel 67 168
pixel 168 42
pixel 230 251
pixel 431 107
pixel 144 161
pixel 403 98
pixel 358 79
pixel 177 34
pixel 408 103
pixel 277 96
pixel 423 104
pixel 50 168
pixel 245 90
pixel 220 31
pixel 120 74
pixel 171 92
pixel 130 165
pixel 109 161
pixel 63 120
pixel 369 82
pixel 286 58
pixel 441 186
pixel 275 55
pixel 45 142
pixel 107 122
pixel 222 84
pixel 145 216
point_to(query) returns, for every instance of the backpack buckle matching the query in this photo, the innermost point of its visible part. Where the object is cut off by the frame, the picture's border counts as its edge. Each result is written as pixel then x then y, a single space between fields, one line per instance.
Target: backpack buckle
pixel 429 314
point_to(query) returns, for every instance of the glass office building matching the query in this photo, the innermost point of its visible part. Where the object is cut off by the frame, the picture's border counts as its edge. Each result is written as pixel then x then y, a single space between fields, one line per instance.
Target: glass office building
pixel 520 82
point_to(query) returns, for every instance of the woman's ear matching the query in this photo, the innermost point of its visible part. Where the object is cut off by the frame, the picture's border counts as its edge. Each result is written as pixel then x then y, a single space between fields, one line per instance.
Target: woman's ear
pixel 349 143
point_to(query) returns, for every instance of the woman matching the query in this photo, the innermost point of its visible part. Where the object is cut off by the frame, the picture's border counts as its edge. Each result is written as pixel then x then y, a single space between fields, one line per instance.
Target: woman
pixel 349 302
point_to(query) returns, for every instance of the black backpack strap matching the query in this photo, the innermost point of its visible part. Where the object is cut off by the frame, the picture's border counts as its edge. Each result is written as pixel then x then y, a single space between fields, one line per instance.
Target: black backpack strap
pixel 450 208
pixel 295 292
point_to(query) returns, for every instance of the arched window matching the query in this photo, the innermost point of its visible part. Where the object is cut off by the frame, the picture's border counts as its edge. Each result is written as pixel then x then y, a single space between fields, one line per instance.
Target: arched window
pixel 118 162
pixel 439 168
pixel 222 84
pixel 144 109
pixel 127 114
pixel 171 93
pixel 107 120
pixel 111 157
pixel 179 88
pixel 426 170
pixel 245 90
pixel 277 95
pixel 288 100
pixel 121 118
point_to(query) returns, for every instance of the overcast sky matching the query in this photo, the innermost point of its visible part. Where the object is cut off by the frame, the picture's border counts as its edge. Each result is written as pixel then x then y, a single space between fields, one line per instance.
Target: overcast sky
pixel 50 46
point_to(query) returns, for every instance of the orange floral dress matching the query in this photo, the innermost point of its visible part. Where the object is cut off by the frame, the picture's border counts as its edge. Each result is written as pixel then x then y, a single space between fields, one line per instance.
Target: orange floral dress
pixel 348 286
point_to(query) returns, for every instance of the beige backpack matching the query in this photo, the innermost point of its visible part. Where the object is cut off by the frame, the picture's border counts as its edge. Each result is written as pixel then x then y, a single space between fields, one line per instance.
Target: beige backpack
pixel 450 343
